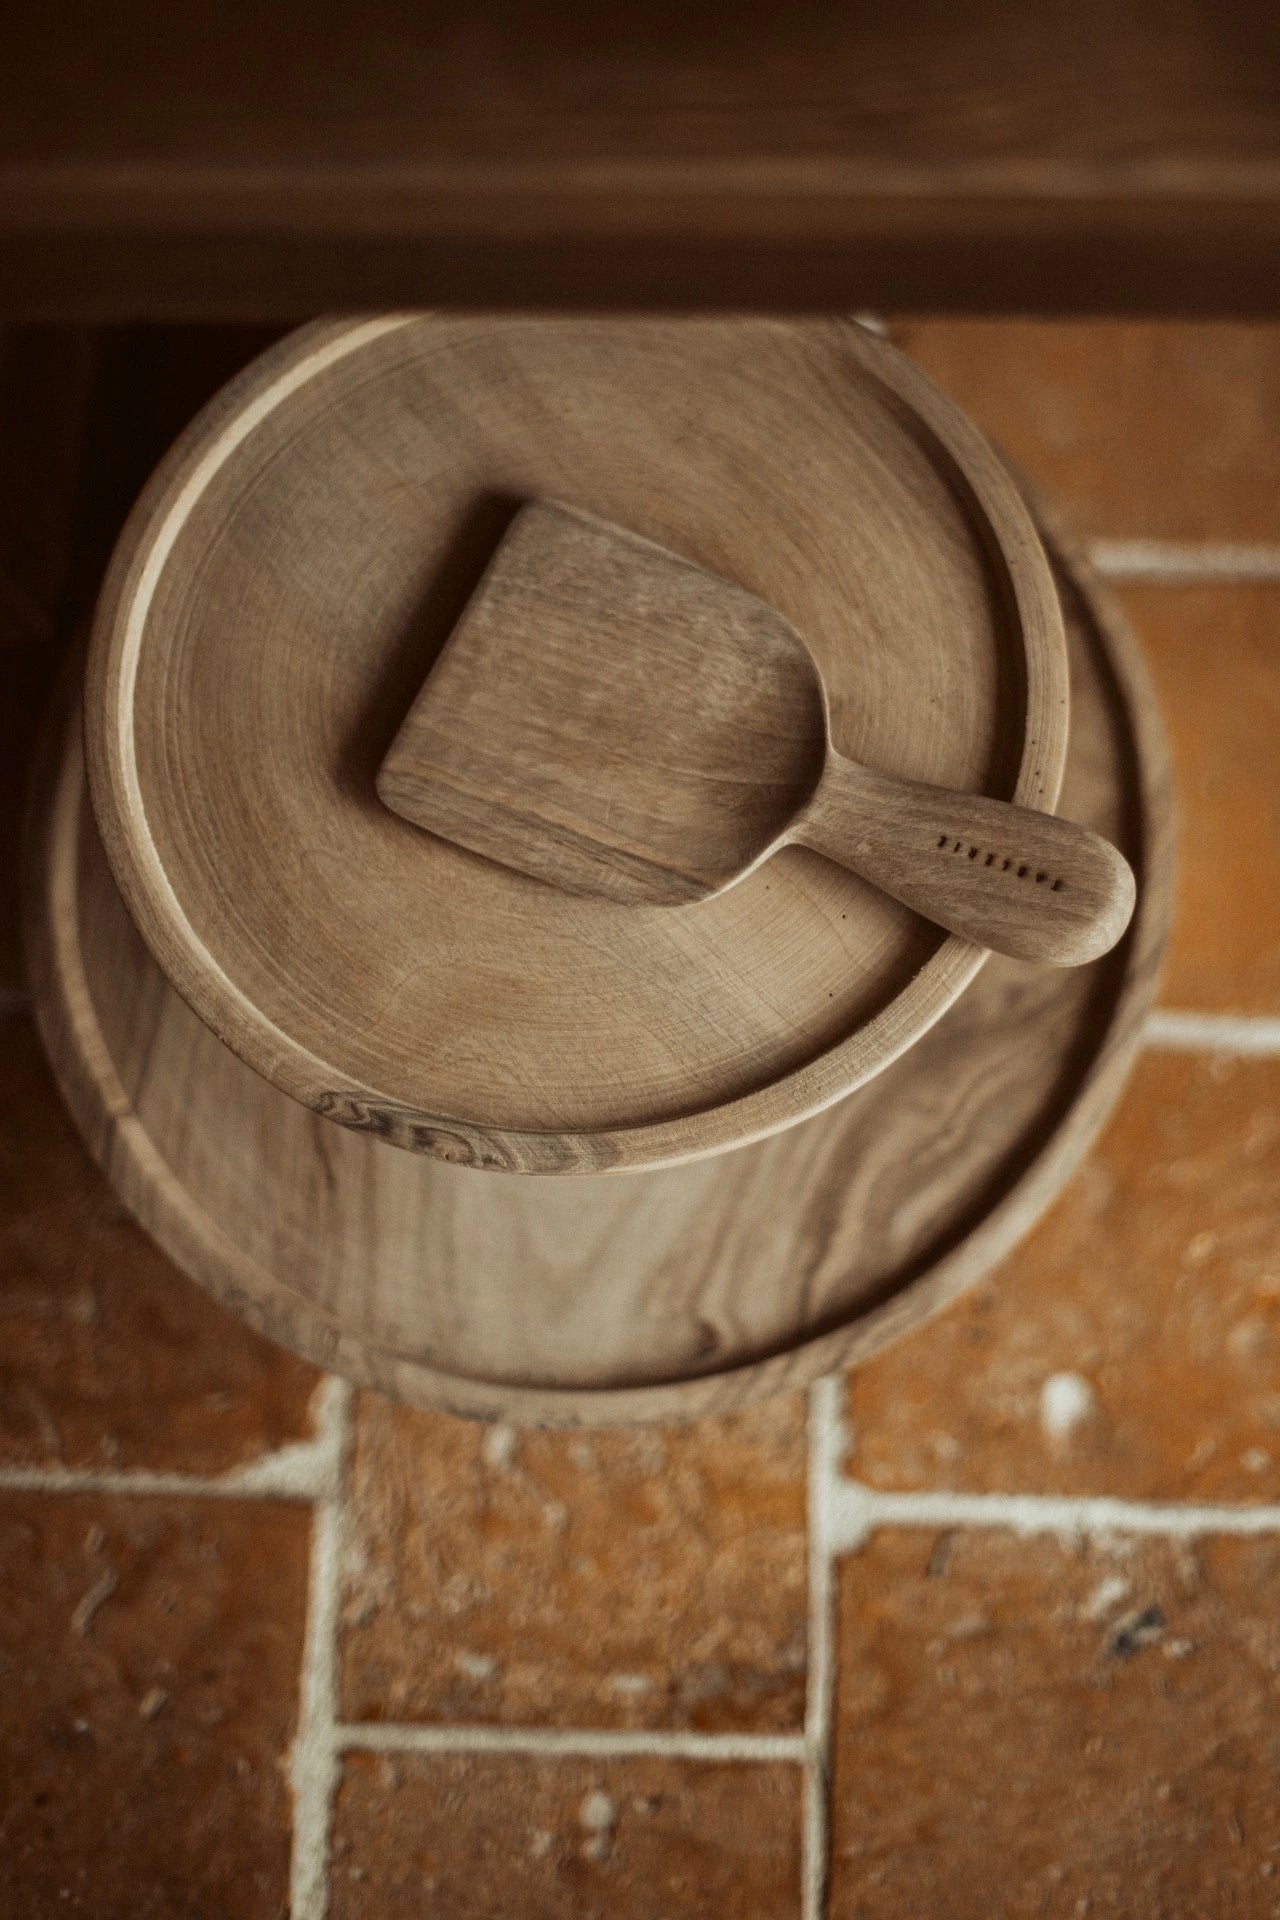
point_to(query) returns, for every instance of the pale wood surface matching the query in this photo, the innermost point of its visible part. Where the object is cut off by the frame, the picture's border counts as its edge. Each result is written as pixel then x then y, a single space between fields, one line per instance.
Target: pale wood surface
pixel 612 718
pixel 217 159
pixel 616 721
pixel 662 1295
pixel 283 588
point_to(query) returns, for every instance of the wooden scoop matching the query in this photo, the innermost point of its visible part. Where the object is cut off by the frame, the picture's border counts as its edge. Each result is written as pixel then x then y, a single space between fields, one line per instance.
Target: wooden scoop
pixel 615 720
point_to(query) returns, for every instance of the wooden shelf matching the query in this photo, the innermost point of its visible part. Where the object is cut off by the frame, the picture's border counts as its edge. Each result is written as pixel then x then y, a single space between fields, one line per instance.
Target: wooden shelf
pixel 226 160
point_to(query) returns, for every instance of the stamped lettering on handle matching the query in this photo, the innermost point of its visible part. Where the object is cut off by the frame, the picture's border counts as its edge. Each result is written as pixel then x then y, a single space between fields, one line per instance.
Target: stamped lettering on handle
pixel 992 859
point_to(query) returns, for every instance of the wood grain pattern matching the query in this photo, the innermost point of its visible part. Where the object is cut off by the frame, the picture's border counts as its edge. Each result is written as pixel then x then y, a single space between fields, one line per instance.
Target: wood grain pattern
pixel 217 160
pixel 663 1295
pixel 612 718
pixel 616 721
pixel 283 588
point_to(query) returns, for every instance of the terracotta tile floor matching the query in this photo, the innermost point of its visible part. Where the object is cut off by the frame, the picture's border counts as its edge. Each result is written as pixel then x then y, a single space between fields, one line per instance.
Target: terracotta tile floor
pixel 476 1554
pixel 649 1837
pixel 268 1646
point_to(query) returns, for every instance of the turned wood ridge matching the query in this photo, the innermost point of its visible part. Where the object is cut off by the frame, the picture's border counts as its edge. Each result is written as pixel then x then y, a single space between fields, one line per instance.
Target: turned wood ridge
pixel 615 720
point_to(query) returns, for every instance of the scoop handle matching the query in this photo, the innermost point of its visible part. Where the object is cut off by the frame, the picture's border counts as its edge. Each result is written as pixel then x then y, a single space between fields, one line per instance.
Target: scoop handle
pixel 1009 878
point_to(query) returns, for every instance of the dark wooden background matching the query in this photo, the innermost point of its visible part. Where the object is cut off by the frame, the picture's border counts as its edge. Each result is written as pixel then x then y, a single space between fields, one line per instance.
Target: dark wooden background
pixel 222 159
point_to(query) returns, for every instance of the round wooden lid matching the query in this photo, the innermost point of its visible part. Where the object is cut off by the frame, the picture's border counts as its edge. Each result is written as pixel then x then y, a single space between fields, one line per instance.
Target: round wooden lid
pixel 295 566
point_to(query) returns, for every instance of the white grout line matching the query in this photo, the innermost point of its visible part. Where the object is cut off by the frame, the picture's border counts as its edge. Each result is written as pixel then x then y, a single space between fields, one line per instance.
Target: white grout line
pixel 601 1743
pixel 1179 563
pixel 303 1470
pixel 54 1480
pixel 826 1457
pixel 855 1511
pixel 315 1762
pixel 1254 1036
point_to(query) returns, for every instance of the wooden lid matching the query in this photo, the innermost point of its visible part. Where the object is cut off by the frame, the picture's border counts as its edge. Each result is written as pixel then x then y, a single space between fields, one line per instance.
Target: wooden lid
pixel 293 569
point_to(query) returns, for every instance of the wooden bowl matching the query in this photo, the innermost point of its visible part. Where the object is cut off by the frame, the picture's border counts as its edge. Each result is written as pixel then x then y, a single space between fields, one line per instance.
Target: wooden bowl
pixel 281 591
pixel 665 1295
